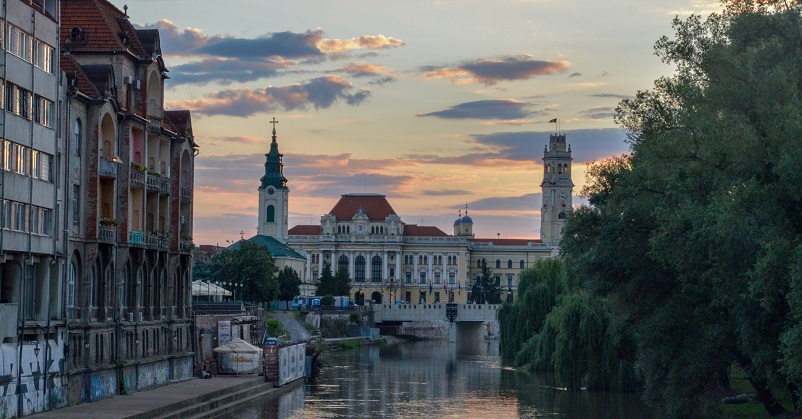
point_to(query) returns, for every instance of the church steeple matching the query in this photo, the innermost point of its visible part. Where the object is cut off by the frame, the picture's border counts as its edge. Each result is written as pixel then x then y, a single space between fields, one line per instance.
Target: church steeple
pixel 274 165
pixel 274 194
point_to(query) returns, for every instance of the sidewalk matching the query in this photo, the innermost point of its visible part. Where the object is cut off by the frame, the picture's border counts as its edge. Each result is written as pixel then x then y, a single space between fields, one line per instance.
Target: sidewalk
pixel 151 400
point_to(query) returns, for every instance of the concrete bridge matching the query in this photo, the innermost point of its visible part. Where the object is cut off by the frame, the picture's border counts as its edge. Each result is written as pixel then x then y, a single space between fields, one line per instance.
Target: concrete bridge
pixel 471 321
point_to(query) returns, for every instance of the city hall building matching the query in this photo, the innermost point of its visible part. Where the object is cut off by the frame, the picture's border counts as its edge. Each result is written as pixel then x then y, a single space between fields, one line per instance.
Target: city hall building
pixel 390 260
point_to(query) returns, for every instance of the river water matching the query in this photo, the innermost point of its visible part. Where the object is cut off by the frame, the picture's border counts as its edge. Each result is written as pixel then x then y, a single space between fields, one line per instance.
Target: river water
pixel 436 379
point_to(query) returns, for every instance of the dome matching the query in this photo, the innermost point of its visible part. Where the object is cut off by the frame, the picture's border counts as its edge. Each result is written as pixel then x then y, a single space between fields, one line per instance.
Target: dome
pixel 458 222
pixel 467 220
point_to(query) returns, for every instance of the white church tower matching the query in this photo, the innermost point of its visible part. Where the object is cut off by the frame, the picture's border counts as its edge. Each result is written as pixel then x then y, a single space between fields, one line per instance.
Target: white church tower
pixel 273 194
pixel 557 189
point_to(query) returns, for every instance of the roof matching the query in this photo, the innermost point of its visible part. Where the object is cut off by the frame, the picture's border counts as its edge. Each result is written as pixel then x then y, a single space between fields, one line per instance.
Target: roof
pixel 428 231
pixel 507 242
pixel 276 248
pixel 375 207
pixel 304 230
pixel 81 81
pixel 102 27
pixel 209 249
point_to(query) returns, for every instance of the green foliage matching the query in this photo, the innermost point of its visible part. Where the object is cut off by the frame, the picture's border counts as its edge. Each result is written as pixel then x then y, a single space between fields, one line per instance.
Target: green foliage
pixel 274 327
pixel 339 284
pixel 486 288
pixel 693 242
pixel 349 344
pixel 327 301
pixel 289 284
pixel 249 266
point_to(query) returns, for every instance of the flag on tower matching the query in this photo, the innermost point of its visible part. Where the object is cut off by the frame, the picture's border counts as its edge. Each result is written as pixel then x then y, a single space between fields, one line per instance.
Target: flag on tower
pixel 553 121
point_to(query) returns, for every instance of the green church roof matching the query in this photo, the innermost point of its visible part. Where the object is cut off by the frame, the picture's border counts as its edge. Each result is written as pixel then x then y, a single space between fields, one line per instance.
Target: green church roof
pixel 276 248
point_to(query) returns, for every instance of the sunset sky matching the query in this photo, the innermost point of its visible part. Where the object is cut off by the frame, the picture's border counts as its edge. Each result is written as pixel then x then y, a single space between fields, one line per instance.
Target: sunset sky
pixel 433 103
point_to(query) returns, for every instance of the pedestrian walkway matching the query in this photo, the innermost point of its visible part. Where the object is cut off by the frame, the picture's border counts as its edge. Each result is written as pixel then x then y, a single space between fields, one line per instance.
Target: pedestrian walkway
pixel 154 402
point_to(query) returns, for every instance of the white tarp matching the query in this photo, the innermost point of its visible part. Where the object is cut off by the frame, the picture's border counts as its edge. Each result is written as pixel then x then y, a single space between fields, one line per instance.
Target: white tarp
pixel 206 289
pixel 239 357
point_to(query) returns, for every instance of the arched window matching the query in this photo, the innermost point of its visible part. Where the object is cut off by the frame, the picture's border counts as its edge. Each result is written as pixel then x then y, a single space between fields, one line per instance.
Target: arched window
pixel 359 269
pixel 522 264
pixel 509 264
pixel 77 137
pixel 498 263
pixel 342 262
pixel 376 269
pixel 71 276
pixel 271 214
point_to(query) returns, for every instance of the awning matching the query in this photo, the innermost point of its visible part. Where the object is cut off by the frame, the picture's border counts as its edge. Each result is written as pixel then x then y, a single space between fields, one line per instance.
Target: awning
pixel 205 289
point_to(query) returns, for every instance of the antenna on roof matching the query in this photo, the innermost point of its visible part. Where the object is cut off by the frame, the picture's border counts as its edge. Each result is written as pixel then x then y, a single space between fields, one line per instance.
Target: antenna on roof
pixel 125 10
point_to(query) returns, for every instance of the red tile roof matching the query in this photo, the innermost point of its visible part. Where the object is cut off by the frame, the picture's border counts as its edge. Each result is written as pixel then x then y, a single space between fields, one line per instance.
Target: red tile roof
pixel 304 230
pixel 375 206
pixel 209 249
pixel 180 121
pixel 508 242
pixel 74 72
pixel 103 26
pixel 428 231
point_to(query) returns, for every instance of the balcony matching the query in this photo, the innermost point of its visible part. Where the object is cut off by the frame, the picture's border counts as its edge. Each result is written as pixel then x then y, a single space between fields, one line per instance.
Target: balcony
pixel 136 238
pixel 154 124
pixel 153 182
pixel 186 246
pixel 108 167
pixel 157 241
pixel 137 175
pixel 107 233
pixel 186 195
pixel 164 185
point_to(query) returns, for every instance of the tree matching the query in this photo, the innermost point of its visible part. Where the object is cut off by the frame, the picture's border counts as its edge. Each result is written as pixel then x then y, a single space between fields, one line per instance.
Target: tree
pixel 339 284
pixel 251 268
pixel 694 238
pixel 289 283
pixel 487 287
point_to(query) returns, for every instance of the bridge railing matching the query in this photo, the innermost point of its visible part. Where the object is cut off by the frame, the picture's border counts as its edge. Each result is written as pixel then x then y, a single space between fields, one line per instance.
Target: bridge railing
pixel 436 311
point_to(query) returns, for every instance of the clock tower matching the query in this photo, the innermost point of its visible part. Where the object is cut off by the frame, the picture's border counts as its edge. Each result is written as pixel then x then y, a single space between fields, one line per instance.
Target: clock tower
pixel 557 189
pixel 273 194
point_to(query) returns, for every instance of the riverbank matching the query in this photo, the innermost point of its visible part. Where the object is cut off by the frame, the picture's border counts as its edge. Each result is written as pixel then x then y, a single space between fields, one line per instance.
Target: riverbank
pixel 191 398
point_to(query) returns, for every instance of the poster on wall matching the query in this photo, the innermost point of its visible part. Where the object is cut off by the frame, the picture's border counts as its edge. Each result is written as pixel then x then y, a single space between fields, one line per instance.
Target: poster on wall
pixel 223 332
pixel 284 366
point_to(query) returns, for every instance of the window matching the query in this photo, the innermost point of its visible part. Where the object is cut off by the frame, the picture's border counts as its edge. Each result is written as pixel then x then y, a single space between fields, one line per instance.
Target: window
pixel 6 214
pixel 20 153
pixel 498 263
pixel 359 269
pixel 24 104
pixel 437 278
pixel 376 269
pixel 45 163
pixel 423 277
pixel 35 164
pixel 20 216
pixel 451 278
pixel 8 153
pixel 76 202
pixel 408 277
pixel 71 275
pixel 271 214
pixel 43 111
pixel 342 262
pixel 33 224
pixel 76 132
pixel 509 281
pixel 44 56
pixel 509 264
pixel 46 221
pixel 10 97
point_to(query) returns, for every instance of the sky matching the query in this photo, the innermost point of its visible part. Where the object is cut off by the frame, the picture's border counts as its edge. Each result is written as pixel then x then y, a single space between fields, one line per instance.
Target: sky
pixel 437 104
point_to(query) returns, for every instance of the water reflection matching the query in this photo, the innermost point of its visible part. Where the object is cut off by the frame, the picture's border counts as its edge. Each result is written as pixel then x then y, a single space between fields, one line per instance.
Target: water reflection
pixel 436 379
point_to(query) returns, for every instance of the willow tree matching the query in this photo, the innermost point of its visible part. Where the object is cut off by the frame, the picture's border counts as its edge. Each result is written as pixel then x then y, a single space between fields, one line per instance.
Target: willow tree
pixel 695 237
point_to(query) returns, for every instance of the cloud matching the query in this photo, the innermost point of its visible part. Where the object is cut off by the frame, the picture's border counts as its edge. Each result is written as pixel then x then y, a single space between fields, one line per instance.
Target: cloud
pixel 528 202
pixel 587 144
pixel 611 95
pixel 599 113
pixel 175 42
pixel 381 73
pixel 227 70
pixel 446 192
pixel 320 93
pixel 363 42
pixel 503 109
pixel 491 71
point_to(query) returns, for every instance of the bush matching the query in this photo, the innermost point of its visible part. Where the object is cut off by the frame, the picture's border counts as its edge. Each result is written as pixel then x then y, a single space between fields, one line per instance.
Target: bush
pixel 327 301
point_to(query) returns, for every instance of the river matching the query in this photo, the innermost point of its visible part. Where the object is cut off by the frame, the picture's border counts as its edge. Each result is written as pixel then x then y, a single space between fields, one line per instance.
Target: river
pixel 436 379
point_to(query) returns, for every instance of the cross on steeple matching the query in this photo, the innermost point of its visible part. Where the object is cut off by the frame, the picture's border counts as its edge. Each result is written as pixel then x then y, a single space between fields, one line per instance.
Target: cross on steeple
pixel 274 122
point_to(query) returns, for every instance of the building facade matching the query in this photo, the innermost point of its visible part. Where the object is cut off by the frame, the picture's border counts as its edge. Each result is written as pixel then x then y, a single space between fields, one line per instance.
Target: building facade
pixel 128 212
pixel 32 250
pixel 389 260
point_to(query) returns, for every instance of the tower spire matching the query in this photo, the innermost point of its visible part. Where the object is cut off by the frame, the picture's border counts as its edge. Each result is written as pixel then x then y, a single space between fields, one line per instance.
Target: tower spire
pixel 274 122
